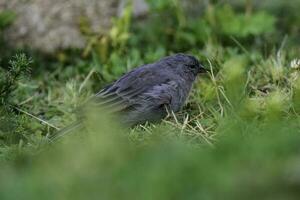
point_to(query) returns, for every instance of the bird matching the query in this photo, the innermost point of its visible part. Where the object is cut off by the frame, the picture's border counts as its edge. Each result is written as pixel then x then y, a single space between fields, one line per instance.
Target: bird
pixel 147 93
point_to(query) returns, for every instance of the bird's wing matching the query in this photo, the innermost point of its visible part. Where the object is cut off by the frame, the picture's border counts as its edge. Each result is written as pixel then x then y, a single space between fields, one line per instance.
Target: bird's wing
pixel 121 94
pixel 154 104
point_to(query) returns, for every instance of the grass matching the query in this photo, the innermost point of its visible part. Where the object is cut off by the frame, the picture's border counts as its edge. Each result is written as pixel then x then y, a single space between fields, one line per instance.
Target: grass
pixel 237 137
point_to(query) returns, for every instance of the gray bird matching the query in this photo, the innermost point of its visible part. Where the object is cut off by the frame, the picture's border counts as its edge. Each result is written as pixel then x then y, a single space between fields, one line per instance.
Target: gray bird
pixel 148 92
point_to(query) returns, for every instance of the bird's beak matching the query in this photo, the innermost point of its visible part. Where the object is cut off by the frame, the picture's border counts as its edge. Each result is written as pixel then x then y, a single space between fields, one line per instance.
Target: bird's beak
pixel 202 70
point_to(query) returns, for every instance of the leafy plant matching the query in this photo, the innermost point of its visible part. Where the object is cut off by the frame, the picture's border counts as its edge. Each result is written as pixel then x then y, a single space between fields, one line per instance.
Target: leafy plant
pixel 19 67
pixel 238 25
pixel 10 121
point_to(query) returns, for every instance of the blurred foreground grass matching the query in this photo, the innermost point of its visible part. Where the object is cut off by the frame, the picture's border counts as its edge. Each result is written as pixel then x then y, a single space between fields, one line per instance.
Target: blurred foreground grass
pixel 237 137
pixel 249 160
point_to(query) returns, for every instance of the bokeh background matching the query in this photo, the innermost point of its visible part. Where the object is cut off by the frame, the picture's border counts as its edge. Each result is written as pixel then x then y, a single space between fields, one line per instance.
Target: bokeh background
pixel 236 138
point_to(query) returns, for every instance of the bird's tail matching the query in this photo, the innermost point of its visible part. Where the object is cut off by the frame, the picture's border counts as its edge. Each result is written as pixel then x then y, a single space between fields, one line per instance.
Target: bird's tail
pixel 75 126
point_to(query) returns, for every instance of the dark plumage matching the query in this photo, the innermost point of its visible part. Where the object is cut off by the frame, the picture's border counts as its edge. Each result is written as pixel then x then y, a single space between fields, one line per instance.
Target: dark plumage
pixel 145 93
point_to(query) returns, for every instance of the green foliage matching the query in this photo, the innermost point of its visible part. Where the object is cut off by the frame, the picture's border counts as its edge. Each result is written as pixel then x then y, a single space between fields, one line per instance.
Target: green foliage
pixel 219 22
pixel 6 18
pixel 19 67
pixel 119 34
pixel 234 24
pixel 249 157
pixel 235 79
pixel 12 125
pixel 107 49
pixel 160 5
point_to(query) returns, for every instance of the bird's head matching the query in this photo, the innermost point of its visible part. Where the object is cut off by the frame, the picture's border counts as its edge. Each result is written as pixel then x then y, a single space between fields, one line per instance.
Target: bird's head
pixel 186 63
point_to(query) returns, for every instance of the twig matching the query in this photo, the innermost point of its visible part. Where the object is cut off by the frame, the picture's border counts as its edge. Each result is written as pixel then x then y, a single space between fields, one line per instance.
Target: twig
pixel 31 115
pixel 86 79
pixel 26 100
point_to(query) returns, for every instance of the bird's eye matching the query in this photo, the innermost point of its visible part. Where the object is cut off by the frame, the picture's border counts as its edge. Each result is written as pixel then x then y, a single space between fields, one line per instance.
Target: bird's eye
pixel 192 66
